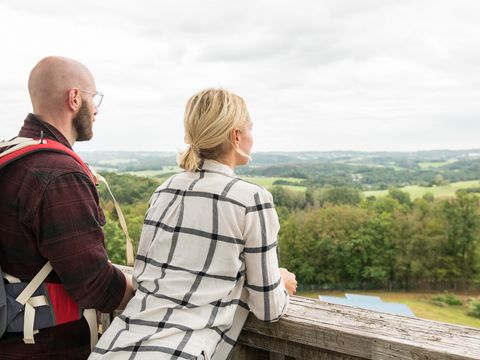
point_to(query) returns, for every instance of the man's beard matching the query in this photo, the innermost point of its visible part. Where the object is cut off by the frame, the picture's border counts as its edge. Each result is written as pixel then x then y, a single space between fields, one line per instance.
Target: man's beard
pixel 83 124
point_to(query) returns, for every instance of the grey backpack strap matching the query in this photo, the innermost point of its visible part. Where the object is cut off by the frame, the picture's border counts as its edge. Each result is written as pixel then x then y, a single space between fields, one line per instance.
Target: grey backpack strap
pixel 30 303
pixel 34 284
pixel 26 300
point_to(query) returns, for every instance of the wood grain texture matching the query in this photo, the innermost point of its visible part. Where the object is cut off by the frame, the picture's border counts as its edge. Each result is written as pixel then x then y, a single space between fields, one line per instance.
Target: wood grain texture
pixel 317 330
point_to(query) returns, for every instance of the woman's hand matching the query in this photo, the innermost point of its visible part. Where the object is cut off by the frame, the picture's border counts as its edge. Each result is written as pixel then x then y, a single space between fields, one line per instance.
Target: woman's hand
pixel 289 281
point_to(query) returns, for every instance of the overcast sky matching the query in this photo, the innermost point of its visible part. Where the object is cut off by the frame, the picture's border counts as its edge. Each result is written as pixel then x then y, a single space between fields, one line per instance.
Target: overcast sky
pixel 316 75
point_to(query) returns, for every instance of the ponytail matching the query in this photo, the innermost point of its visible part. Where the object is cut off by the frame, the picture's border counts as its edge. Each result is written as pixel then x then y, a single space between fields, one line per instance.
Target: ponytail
pixel 189 160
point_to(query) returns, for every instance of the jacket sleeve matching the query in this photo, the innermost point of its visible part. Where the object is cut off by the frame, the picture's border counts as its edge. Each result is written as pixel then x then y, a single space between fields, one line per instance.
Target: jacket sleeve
pixel 267 298
pixel 69 223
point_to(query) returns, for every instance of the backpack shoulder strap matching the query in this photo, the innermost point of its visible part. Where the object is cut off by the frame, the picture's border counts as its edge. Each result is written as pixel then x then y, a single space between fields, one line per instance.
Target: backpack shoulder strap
pixel 20 147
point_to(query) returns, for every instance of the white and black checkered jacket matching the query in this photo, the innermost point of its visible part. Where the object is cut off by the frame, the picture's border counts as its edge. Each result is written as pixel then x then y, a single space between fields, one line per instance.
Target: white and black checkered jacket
pixel 207 255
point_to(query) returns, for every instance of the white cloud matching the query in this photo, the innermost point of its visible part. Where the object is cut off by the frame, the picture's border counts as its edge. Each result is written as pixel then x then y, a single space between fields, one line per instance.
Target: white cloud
pixel 361 75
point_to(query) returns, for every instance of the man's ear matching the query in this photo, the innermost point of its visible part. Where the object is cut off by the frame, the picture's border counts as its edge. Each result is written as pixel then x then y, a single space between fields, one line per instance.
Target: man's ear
pixel 73 99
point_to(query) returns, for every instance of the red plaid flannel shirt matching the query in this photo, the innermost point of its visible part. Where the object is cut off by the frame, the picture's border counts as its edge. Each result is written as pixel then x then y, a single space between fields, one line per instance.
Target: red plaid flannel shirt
pixel 49 211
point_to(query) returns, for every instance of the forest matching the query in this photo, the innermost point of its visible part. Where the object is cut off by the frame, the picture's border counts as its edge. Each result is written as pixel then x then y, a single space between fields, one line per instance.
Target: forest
pixel 333 237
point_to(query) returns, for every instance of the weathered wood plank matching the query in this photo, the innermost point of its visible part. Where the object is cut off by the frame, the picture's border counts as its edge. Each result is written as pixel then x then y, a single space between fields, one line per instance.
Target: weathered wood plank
pixel 291 350
pixel 367 334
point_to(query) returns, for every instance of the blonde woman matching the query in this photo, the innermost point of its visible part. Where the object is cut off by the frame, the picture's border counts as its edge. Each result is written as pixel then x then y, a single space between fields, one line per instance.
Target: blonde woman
pixel 207 252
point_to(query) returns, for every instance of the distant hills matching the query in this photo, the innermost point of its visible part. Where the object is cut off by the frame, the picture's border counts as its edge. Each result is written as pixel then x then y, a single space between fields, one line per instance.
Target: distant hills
pixel 364 170
pixel 151 160
pixel 144 160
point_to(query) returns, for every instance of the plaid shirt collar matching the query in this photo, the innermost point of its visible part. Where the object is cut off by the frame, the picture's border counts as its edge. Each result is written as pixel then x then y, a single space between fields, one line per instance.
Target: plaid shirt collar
pixel 215 166
pixel 33 125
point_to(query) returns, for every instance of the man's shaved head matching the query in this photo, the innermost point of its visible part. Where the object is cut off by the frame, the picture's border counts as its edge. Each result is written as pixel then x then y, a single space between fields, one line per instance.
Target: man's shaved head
pixel 62 92
pixel 51 79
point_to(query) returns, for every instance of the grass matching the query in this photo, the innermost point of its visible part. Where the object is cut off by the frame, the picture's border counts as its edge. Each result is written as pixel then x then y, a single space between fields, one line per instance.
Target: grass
pixel 438 191
pixel 434 164
pixel 372 165
pixel 267 182
pixel 113 162
pixel 151 173
pixel 420 304
pixel 415 191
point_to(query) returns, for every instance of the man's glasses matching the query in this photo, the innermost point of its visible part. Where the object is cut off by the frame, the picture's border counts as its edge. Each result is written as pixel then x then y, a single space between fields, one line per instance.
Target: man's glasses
pixel 97 97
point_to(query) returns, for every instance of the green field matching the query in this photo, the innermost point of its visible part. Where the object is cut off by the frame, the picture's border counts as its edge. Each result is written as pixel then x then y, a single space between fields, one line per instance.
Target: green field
pixel 434 164
pixel 438 191
pixel 150 173
pixel 420 304
pixel 267 182
pixel 113 162
pixel 415 191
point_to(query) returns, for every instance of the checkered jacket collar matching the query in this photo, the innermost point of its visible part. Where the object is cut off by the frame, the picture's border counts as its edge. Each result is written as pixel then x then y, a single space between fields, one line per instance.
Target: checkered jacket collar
pixel 215 166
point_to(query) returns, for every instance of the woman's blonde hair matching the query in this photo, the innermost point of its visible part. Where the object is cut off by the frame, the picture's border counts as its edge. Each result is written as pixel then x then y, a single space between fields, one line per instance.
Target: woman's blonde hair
pixel 210 116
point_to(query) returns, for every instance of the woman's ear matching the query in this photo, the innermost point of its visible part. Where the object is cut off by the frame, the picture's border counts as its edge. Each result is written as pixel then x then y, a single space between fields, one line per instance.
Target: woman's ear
pixel 235 136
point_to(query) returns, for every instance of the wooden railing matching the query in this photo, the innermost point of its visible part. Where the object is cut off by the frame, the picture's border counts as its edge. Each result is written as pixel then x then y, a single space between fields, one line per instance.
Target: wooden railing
pixel 312 329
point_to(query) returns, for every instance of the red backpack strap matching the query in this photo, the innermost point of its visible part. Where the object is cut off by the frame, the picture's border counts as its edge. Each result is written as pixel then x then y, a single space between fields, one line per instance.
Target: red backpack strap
pixel 45 144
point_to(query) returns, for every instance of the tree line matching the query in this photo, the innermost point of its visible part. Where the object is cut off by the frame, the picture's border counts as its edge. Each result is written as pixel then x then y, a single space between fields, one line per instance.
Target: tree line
pixel 374 176
pixel 334 238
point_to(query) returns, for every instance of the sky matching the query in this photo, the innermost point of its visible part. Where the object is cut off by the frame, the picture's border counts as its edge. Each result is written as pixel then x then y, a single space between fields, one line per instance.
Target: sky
pixel 377 75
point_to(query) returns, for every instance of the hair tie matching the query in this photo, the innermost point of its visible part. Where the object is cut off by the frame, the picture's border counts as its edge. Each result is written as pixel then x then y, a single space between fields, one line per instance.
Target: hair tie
pixel 194 147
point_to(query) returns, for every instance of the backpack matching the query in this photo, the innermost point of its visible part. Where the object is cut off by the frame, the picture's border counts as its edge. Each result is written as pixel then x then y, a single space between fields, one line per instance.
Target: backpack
pixel 25 306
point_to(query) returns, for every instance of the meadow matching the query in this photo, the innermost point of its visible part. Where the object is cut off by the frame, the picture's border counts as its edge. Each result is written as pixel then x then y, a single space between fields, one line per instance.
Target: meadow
pixel 420 303
pixel 166 170
pixel 268 182
pixel 416 191
pixel 434 164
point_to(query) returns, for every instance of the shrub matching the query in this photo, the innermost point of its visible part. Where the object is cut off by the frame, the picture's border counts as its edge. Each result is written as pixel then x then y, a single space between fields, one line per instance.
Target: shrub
pixel 448 299
pixel 474 308
pixel 438 303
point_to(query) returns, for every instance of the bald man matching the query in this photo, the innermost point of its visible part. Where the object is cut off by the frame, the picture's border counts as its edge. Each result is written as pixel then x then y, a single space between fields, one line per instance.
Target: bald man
pixel 49 211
